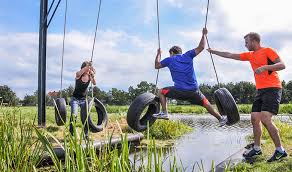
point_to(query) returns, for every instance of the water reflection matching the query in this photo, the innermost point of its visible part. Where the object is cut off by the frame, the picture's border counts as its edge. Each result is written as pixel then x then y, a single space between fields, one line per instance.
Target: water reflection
pixel 208 142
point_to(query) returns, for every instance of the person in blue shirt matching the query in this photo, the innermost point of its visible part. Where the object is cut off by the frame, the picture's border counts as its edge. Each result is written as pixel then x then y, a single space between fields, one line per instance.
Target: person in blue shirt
pixel 184 78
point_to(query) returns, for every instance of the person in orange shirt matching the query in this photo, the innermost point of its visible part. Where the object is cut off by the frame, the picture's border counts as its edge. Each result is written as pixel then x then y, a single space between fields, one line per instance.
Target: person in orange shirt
pixel 265 63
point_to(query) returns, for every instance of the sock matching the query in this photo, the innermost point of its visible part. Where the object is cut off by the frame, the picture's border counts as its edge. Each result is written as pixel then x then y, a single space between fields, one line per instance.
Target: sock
pixel 257 148
pixel 280 149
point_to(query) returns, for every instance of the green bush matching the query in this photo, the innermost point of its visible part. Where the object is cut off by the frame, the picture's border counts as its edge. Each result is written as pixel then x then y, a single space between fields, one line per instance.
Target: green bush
pixel 168 129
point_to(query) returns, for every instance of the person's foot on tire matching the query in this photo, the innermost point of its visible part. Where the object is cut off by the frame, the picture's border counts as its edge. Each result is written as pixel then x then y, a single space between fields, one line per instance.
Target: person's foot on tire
pixel 161 115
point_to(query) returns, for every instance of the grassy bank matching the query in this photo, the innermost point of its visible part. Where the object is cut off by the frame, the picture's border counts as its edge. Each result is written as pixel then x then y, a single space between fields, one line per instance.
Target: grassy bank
pixel 22 145
pixel 192 109
pixel 122 110
pixel 260 164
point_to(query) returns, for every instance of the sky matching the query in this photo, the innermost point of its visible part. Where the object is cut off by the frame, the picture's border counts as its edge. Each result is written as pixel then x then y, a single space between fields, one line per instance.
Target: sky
pixel 126 42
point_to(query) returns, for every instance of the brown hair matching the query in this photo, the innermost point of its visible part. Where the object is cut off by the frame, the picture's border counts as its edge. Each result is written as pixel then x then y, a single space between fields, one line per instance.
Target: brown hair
pixel 85 63
pixel 253 36
pixel 175 50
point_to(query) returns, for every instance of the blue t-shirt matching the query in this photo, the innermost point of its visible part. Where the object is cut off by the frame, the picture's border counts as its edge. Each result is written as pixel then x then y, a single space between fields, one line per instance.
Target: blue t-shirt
pixel 182 70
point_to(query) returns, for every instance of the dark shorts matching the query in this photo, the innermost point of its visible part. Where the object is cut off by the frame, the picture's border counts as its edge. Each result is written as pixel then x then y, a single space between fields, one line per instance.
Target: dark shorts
pixel 267 99
pixel 193 96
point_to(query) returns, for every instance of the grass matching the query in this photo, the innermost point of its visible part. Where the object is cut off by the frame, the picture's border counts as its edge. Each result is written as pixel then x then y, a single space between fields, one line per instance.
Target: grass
pixel 260 164
pixel 168 129
pixel 22 145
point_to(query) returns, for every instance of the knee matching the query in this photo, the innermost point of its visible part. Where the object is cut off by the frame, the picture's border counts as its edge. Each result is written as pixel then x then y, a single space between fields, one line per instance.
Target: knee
pixel 206 103
pixel 162 92
pixel 255 117
pixel 266 118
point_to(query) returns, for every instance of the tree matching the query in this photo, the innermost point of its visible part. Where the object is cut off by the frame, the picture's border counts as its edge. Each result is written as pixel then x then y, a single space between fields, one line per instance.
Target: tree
pixel 8 96
pixel 142 87
pixel 67 93
pixel 29 100
pixel 119 97
pixel 243 92
pixel 100 95
pixel 208 92
pixel 288 91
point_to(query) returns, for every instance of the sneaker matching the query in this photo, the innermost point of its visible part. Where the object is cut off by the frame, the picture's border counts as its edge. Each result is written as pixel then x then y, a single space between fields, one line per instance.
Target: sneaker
pixel 252 153
pixel 223 121
pixel 161 115
pixel 277 155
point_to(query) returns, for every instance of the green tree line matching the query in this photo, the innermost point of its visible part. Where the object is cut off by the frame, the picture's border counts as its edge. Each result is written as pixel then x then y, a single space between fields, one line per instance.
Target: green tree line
pixel 243 93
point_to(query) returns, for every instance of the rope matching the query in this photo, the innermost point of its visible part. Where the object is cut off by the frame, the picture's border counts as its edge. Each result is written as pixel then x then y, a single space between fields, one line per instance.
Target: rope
pixel 93 46
pixel 158 38
pixel 206 19
pixel 63 48
pixel 97 21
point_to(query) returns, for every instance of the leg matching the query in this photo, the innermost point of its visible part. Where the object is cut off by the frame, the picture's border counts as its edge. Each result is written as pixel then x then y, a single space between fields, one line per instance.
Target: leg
pixel 163 93
pixel 163 100
pixel 270 126
pixel 73 117
pixel 257 132
pixel 199 98
pixel 271 103
pixel 84 115
pixel 211 110
pixel 257 127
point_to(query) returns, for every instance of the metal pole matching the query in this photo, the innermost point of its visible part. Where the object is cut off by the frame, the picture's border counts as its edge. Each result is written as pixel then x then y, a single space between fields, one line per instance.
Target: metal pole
pixel 42 64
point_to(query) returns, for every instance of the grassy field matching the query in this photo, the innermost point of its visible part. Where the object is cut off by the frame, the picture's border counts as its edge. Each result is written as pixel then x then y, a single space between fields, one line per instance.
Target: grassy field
pixel 268 148
pixel 22 143
pixel 192 109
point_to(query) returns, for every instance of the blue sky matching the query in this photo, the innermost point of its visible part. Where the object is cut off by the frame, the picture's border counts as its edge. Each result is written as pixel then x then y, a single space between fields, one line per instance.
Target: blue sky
pixel 127 39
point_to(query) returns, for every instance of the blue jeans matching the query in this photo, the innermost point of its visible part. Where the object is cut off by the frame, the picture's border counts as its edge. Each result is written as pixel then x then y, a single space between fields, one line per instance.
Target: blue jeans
pixel 83 113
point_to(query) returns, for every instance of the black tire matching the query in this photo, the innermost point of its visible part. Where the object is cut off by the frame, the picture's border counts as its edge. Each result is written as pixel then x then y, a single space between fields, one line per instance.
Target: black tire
pixel 101 116
pixel 135 119
pixel 226 105
pixel 60 111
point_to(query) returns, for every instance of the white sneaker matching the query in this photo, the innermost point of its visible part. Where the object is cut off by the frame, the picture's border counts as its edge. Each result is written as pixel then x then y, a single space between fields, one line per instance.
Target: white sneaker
pixel 161 115
pixel 223 121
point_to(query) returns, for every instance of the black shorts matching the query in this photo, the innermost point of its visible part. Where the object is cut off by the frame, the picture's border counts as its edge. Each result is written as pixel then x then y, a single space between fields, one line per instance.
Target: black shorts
pixel 193 96
pixel 267 99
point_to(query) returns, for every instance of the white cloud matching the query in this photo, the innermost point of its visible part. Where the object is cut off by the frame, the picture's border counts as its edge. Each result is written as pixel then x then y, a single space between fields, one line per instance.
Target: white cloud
pixel 124 59
pixel 115 67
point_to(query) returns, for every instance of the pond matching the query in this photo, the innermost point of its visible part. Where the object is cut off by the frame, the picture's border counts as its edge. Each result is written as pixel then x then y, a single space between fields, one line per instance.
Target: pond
pixel 208 141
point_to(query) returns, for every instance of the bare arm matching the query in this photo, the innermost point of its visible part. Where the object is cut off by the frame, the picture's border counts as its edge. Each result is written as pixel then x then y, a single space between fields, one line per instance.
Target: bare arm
pixel 279 65
pixel 224 54
pixel 81 72
pixel 202 43
pixel 92 75
pixel 157 60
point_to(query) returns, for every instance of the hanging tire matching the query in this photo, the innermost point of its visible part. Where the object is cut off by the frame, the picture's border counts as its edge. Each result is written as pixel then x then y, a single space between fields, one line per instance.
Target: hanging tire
pixel 102 117
pixel 226 105
pixel 135 117
pixel 60 111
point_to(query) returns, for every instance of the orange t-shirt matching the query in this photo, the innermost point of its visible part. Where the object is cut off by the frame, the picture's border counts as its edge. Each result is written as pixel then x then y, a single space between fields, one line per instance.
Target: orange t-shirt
pixel 264 56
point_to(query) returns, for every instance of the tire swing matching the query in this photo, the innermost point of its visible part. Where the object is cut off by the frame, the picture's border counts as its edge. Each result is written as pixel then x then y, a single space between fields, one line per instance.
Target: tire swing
pixel 60 103
pixel 60 111
pixel 102 117
pixel 140 112
pixel 225 103
pixel 135 117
